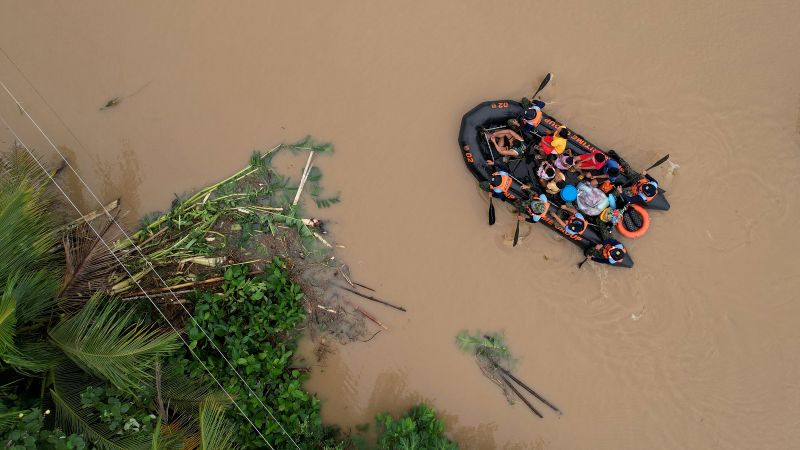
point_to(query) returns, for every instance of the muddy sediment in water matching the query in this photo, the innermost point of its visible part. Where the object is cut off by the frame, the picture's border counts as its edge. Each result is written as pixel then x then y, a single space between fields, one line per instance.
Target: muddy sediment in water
pixel 693 348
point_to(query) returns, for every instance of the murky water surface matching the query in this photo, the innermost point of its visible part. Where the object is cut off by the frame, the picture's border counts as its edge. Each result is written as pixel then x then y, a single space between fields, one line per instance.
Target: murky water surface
pixel 694 348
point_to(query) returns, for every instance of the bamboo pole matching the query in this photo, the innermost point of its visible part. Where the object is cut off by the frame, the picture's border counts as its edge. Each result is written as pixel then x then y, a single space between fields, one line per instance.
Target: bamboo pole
pixel 519 394
pixel 303 179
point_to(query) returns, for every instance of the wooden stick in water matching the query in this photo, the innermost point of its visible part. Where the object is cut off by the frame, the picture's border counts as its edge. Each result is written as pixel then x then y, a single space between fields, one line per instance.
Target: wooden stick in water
pixel 368 297
pixel 306 170
pixel 513 389
pixel 527 388
pixel 369 316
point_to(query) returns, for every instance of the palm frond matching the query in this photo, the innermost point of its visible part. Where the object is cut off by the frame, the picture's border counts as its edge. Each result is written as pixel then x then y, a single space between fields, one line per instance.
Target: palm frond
pixel 73 417
pixel 186 393
pixel 17 167
pixel 34 293
pixel 215 431
pixel 166 437
pixel 31 357
pixel 8 320
pixel 27 239
pixel 89 263
pixel 106 339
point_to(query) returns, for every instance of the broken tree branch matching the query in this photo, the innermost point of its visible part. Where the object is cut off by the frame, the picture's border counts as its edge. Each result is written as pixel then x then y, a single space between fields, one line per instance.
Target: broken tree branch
pixel 369 297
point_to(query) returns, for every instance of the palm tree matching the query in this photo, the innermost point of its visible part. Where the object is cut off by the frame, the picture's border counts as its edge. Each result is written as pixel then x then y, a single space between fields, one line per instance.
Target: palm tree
pixel 60 332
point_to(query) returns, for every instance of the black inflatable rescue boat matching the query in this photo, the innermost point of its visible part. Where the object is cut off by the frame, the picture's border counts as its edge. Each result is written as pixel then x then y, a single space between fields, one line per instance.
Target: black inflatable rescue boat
pixel 476 150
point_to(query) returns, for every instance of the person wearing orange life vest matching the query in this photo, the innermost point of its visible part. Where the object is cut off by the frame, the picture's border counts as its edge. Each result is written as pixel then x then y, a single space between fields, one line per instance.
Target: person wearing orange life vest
pixel 501 181
pixel 538 208
pixel 610 251
pixel 576 224
pixel 642 191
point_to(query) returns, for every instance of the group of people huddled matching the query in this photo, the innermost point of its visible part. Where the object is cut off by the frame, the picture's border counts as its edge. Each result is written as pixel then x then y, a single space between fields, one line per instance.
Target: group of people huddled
pixel 573 190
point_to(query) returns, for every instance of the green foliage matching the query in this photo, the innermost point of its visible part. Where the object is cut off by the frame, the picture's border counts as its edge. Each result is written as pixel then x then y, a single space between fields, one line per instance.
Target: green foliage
pixel 215 430
pixel 28 433
pixel 490 346
pixel 107 340
pixel 253 322
pixel 116 411
pixel 419 429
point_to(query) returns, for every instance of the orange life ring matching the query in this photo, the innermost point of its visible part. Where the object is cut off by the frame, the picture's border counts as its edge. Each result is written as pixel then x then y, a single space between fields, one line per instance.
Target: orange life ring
pixel 633 234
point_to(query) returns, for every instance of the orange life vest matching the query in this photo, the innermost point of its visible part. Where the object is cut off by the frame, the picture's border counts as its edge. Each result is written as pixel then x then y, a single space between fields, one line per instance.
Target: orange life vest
pixel 637 188
pixel 505 184
pixel 537 119
pixel 607 252
pixel 546 208
pixel 585 224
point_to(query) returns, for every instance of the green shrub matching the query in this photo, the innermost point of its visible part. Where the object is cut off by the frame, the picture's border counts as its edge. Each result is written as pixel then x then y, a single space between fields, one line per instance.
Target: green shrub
pixel 28 433
pixel 419 429
pixel 253 322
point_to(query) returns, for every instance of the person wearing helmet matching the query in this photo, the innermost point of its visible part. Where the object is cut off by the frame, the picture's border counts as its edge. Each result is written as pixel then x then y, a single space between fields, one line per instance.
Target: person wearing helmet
pixel 642 191
pixel 575 224
pixel 610 251
pixel 500 182
pixel 538 207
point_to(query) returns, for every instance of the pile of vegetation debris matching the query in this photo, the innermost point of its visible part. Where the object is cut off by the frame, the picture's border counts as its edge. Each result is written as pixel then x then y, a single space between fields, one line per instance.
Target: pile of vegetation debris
pixel 190 342
pixel 496 362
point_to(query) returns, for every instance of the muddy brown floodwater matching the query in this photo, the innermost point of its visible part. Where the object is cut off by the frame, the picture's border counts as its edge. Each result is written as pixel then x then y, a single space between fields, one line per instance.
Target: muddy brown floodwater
pixel 696 347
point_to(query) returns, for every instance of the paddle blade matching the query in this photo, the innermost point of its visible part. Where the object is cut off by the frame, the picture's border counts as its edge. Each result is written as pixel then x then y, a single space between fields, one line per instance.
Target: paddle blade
pixel 542 85
pixel 491 212
pixel 545 81
pixel 659 162
pixel 516 235
pixel 580 264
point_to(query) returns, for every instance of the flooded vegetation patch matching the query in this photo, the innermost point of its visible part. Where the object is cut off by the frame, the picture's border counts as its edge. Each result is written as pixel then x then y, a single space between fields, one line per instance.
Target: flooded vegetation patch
pixel 182 334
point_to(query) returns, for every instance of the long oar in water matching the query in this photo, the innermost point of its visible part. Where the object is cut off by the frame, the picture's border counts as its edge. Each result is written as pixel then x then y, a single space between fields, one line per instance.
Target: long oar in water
pixel 546 80
pixel 491 207
pixel 580 264
pixel 516 232
pixel 658 163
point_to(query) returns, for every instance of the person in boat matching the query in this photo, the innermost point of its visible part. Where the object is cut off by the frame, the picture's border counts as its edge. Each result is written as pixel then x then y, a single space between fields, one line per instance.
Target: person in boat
pixel 641 192
pixel 501 181
pixel 565 162
pixel 508 143
pixel 575 224
pixel 594 160
pixel 611 251
pixel 604 223
pixel 555 185
pixel 555 142
pixel 538 207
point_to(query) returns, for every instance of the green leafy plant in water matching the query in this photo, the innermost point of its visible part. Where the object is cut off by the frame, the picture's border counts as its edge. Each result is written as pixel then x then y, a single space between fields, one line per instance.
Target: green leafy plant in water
pixel 254 321
pixel 489 346
pixel 419 429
